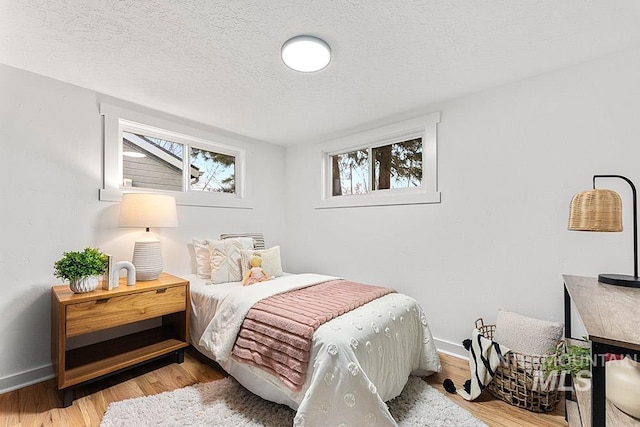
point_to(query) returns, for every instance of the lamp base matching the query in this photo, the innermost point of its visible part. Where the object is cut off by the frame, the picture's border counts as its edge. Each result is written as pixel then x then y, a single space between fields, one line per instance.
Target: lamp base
pixel 147 258
pixel 620 280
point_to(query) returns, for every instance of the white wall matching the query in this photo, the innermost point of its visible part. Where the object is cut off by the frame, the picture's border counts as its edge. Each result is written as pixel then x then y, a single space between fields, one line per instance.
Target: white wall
pixel 510 159
pixel 51 167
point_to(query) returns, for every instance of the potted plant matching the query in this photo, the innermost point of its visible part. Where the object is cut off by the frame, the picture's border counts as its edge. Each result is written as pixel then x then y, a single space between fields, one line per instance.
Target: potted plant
pixel 81 269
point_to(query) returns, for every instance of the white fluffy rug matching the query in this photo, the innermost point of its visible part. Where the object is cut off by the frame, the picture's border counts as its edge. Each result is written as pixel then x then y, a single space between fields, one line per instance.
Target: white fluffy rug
pixel 227 403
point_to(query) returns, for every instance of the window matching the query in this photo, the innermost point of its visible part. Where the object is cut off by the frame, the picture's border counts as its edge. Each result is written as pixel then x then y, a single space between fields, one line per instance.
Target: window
pixel 157 163
pixel 141 157
pixel 391 165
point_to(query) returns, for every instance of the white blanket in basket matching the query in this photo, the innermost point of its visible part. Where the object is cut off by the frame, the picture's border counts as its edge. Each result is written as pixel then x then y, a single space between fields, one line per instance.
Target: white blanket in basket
pixel 484 357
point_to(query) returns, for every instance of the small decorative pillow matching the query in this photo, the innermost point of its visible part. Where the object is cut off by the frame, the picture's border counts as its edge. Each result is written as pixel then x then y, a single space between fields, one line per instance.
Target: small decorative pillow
pixel 270 261
pixel 527 335
pixel 225 258
pixel 203 257
pixel 258 238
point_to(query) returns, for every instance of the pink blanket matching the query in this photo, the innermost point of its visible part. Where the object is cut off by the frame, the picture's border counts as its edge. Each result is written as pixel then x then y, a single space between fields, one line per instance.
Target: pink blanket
pixel 276 333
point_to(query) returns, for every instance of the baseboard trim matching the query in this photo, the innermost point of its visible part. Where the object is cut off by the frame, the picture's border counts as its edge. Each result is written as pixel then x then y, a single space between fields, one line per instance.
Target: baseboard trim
pixel 26 378
pixel 452 349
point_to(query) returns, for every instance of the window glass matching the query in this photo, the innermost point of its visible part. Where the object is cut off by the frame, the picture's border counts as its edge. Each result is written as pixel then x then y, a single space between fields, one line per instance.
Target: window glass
pixel 350 173
pixel 211 171
pixel 391 166
pixel 398 165
pixel 155 163
pixel 151 163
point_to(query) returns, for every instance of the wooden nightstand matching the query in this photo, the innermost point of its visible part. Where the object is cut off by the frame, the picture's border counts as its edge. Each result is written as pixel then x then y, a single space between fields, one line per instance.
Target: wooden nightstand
pixel 75 315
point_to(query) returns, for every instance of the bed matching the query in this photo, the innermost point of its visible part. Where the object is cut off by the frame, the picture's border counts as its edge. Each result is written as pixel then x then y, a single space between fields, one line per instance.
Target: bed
pixel 358 360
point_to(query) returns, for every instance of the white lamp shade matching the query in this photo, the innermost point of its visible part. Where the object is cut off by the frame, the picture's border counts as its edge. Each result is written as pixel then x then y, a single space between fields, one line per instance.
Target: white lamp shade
pixel 143 210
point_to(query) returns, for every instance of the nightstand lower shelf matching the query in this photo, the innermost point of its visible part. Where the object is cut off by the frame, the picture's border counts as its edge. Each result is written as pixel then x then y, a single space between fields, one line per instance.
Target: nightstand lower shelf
pixel 99 359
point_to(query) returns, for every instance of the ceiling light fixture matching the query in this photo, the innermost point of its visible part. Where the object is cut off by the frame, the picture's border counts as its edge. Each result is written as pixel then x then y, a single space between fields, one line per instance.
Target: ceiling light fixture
pixel 306 54
pixel 133 154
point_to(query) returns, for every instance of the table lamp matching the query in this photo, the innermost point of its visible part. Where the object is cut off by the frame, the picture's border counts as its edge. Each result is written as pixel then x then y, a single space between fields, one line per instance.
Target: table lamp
pixel 601 210
pixel 145 210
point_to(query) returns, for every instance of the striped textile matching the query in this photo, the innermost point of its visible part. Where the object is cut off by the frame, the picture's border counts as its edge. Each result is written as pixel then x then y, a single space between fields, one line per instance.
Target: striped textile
pixel 258 238
pixel 484 358
pixel 277 331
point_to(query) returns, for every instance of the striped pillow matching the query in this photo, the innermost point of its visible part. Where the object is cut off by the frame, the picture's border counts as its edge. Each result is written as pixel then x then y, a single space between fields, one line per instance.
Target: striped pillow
pixel 258 238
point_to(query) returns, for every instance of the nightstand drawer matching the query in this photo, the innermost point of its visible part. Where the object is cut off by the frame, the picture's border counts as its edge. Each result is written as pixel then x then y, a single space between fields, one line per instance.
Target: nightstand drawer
pixel 106 313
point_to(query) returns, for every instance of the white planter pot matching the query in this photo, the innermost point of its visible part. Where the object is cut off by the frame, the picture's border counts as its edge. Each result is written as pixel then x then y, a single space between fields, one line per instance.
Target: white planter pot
pixel 84 284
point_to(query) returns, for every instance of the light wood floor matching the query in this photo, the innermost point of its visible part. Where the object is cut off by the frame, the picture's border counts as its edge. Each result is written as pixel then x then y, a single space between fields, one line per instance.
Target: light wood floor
pixel 39 405
pixel 492 411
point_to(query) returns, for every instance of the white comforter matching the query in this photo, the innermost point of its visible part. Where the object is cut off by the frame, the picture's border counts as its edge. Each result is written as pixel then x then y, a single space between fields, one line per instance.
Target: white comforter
pixel 360 359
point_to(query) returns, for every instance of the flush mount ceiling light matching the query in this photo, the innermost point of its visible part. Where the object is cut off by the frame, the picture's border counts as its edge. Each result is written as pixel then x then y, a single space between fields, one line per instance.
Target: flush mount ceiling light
pixel 133 154
pixel 306 54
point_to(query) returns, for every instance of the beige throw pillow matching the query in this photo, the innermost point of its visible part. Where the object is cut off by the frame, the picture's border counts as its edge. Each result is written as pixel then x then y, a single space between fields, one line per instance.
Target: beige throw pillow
pixel 225 258
pixel 258 238
pixel 203 257
pixel 527 335
pixel 270 261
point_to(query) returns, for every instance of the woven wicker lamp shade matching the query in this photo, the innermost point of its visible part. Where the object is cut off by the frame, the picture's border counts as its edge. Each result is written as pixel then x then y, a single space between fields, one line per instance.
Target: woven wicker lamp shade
pixel 596 210
pixel 601 210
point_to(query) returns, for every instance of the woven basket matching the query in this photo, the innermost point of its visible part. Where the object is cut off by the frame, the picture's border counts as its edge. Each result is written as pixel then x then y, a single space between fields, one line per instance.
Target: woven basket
pixel 521 380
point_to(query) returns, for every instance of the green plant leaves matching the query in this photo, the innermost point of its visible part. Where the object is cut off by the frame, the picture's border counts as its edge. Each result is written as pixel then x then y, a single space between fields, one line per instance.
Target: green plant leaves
pixel 569 358
pixel 75 265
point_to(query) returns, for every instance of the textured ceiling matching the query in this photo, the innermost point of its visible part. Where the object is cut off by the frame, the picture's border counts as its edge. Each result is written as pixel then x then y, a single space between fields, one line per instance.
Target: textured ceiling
pixel 218 62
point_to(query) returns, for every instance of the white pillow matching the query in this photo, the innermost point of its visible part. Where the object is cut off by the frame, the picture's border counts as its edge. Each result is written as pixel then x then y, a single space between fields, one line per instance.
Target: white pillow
pixel 527 335
pixel 203 257
pixel 258 238
pixel 270 261
pixel 225 258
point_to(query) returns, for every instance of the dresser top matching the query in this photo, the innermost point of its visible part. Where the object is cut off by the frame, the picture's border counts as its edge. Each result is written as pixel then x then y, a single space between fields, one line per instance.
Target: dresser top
pixel 611 314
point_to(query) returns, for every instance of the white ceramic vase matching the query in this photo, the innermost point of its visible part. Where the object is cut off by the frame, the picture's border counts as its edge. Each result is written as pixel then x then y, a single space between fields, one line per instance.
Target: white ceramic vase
pixel 84 284
pixel 623 385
